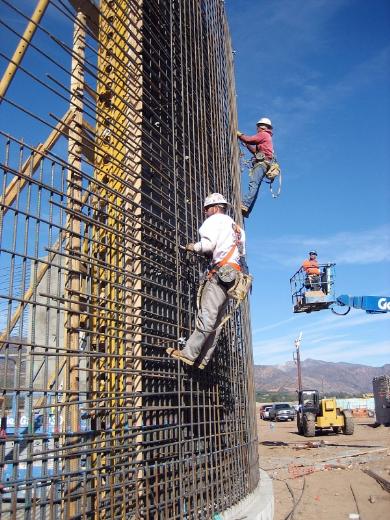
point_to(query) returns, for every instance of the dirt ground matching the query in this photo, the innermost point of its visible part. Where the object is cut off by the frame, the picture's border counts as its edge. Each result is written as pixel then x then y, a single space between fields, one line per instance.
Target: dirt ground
pixel 324 476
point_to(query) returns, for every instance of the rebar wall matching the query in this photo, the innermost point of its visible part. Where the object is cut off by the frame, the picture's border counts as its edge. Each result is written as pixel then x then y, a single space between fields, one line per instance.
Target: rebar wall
pixel 133 103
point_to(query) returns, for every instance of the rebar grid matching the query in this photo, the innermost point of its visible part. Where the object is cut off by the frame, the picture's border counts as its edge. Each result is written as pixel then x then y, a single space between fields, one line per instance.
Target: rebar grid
pixel 97 421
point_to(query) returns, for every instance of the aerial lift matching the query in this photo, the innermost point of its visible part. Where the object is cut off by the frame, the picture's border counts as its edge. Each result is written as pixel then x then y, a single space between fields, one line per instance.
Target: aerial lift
pixel 314 294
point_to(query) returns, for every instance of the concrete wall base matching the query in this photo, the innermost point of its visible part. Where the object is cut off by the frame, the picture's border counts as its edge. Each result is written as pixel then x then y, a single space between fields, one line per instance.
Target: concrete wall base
pixel 259 505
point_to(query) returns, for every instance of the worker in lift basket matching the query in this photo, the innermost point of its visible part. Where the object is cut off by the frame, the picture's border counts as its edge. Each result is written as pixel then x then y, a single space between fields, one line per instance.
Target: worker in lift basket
pixel 312 271
pixel 224 241
pixel 261 146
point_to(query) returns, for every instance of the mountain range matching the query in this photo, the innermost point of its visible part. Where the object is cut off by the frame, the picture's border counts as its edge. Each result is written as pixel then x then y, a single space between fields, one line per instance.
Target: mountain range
pixel 321 375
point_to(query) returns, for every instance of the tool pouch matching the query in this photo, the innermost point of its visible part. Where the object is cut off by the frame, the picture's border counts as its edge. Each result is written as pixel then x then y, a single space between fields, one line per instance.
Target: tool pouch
pixel 273 171
pixel 227 274
pixel 241 287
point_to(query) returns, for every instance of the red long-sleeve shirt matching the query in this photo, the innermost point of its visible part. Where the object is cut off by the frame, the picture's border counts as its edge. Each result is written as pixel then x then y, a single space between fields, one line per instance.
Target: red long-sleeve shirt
pixel 262 141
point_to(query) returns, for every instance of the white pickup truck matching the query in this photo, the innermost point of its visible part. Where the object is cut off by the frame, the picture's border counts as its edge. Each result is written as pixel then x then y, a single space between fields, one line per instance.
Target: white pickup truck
pixel 281 412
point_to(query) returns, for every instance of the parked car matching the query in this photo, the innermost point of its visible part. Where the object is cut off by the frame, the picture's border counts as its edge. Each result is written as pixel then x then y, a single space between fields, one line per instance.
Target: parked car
pixel 264 412
pixel 282 412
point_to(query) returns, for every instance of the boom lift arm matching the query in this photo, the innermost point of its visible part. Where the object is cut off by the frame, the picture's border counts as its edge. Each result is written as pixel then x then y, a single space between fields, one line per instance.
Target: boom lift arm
pixel 370 304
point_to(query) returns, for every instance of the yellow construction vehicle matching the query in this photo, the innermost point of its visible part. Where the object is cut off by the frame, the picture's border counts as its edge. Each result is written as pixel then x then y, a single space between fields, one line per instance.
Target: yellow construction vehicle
pixel 321 414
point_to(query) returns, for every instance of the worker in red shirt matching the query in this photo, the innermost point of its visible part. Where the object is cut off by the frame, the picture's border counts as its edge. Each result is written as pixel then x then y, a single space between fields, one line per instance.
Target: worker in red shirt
pixel 312 270
pixel 260 145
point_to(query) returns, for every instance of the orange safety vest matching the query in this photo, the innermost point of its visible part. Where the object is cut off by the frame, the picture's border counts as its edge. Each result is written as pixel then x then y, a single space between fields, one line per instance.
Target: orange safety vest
pixel 311 266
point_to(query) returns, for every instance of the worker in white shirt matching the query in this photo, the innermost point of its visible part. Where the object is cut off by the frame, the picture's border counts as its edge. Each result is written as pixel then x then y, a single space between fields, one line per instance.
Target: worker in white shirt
pixel 221 238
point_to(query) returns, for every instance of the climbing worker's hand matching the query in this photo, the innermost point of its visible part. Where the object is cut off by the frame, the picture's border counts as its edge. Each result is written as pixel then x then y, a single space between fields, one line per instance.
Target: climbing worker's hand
pixel 190 247
pixel 239 133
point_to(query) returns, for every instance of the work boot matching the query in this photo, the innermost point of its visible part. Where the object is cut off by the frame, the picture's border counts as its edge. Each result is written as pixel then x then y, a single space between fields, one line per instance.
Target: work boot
pixel 178 355
pixel 244 211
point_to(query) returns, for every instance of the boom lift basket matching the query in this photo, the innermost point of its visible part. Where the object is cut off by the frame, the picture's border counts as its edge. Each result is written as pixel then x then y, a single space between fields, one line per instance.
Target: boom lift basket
pixel 311 292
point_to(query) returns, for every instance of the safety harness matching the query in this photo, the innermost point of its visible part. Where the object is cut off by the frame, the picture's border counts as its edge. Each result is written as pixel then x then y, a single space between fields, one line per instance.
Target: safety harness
pixel 272 170
pixel 225 261
pixel 242 282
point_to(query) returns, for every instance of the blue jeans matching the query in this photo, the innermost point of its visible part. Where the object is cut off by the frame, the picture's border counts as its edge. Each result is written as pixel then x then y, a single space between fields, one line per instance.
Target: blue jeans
pixel 256 176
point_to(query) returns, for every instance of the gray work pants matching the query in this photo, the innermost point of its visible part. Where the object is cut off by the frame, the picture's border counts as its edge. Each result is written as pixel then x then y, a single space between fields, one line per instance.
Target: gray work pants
pixel 212 308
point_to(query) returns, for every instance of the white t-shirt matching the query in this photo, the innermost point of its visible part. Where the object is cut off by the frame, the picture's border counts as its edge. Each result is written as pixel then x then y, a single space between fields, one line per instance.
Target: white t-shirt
pixel 217 236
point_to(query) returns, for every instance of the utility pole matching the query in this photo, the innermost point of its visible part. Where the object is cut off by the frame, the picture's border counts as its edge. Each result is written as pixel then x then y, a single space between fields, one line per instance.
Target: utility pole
pixel 297 359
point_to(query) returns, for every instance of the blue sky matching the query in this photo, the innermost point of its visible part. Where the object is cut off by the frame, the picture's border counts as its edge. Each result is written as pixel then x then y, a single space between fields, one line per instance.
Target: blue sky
pixel 320 70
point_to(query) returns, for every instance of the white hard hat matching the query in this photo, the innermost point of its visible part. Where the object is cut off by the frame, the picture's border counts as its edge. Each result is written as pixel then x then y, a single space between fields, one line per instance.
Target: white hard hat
pixel 264 121
pixel 214 198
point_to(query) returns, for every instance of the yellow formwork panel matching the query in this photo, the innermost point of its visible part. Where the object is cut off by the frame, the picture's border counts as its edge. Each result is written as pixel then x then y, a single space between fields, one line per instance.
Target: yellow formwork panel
pixel 117 167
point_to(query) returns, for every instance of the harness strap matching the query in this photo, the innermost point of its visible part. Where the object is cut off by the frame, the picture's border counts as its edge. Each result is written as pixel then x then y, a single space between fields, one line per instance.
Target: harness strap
pixel 227 257
pixel 213 270
pixel 225 261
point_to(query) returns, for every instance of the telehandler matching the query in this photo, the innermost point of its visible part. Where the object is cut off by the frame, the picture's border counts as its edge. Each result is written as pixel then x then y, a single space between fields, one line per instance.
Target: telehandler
pixel 321 414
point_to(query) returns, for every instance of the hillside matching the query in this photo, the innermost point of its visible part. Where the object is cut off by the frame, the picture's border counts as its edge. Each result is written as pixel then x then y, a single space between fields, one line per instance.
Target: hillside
pixel 322 375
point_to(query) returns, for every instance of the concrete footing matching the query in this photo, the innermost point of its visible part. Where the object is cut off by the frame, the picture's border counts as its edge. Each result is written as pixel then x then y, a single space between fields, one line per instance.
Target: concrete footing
pixel 259 505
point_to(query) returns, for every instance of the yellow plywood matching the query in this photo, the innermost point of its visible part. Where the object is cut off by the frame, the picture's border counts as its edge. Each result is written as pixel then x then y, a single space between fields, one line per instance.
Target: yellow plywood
pixel 118 166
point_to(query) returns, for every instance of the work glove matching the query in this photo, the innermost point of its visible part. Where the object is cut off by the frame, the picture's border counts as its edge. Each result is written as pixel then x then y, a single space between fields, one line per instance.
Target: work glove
pixel 239 133
pixel 190 247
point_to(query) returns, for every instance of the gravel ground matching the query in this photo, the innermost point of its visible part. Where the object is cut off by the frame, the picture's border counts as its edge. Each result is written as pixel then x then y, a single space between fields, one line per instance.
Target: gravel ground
pixel 324 476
